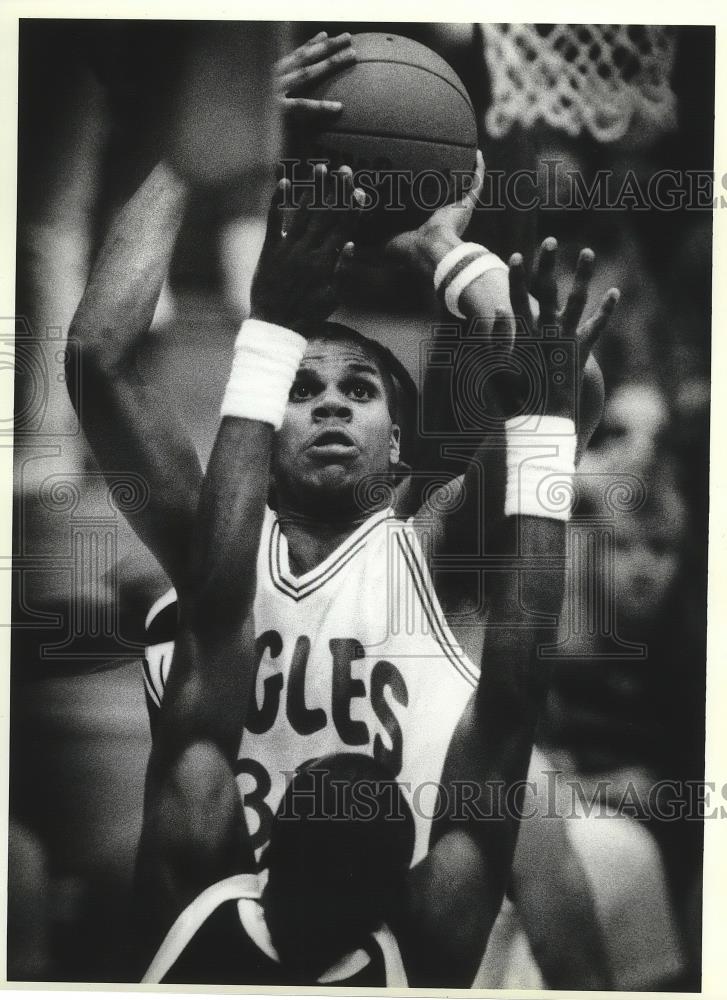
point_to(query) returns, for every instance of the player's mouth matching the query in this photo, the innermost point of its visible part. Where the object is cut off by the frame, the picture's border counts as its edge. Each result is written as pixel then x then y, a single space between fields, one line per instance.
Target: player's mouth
pixel 334 444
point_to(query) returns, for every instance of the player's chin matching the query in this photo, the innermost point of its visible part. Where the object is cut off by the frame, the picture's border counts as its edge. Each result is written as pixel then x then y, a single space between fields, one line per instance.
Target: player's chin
pixel 336 478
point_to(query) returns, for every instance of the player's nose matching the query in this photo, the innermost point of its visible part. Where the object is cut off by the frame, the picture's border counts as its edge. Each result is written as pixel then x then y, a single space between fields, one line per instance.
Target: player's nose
pixel 332 404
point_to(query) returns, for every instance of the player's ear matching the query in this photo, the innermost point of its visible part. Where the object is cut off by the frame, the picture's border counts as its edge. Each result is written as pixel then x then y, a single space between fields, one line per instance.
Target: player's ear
pixel 394 444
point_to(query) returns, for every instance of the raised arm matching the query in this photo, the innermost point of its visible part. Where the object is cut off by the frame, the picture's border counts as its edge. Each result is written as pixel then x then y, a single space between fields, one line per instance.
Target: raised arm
pixel 129 422
pixel 462 880
pixel 428 250
pixel 194 832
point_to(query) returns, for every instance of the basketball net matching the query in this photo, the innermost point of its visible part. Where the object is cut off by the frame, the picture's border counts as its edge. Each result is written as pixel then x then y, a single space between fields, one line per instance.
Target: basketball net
pixel 597 77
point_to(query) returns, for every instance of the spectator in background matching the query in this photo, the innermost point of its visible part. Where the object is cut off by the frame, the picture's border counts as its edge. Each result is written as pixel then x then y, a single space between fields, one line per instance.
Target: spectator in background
pixel 610 721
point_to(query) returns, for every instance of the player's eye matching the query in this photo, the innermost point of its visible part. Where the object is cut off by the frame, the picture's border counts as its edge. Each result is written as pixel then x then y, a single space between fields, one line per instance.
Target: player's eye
pixel 361 390
pixel 300 391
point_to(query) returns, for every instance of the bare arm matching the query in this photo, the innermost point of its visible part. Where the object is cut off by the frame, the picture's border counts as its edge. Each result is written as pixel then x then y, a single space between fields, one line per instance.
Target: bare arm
pixel 129 423
pixel 462 880
pixel 194 832
pixel 448 394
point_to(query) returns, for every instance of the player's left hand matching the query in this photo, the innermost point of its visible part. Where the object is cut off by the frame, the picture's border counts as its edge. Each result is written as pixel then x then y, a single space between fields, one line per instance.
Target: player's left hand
pixel 307 250
pixel 554 332
pixel 424 247
pixel 315 59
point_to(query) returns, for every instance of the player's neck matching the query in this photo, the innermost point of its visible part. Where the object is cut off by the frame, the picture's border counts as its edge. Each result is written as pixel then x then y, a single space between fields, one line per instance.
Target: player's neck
pixel 312 539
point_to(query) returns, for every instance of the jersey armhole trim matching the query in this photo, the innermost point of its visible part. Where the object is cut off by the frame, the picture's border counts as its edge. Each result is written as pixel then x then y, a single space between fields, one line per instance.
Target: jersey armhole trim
pixel 159 605
pixel 424 586
pixel 149 683
pixel 393 962
pixel 190 920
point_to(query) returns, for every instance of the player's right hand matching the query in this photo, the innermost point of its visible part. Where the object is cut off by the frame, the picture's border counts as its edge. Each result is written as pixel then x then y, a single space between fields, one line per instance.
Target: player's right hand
pixel 424 247
pixel 308 244
pixel 315 59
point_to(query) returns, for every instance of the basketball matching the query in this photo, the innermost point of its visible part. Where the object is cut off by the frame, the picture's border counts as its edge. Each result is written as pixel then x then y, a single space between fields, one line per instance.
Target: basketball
pixel 407 123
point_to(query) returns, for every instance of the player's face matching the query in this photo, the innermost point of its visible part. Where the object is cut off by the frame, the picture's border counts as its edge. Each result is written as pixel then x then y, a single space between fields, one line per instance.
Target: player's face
pixel 337 426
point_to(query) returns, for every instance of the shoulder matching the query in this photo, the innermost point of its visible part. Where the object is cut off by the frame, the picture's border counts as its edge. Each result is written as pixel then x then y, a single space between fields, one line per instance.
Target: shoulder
pixel 439 504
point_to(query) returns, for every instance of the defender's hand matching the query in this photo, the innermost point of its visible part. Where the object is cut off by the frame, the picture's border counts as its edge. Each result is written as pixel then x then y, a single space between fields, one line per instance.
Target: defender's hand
pixel 423 248
pixel 553 349
pixel 315 59
pixel 306 249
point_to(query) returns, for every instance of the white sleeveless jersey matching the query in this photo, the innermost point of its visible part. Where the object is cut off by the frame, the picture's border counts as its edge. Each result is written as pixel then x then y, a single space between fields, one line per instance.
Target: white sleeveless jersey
pixel 355 656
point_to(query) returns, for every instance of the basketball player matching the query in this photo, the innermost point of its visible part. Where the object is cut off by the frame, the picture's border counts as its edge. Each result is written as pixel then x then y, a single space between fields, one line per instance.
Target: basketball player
pixel 353 649
pixel 341 905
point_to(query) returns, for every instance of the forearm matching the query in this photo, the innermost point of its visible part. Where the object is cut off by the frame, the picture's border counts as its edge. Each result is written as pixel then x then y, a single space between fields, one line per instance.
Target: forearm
pixel 229 522
pixel 487 761
pixel 194 829
pixel 209 684
pixel 130 423
pixel 522 620
pixel 118 304
pixel 483 296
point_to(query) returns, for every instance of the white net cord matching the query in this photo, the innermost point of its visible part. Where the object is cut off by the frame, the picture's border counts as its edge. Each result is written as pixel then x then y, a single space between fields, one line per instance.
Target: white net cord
pixel 597 77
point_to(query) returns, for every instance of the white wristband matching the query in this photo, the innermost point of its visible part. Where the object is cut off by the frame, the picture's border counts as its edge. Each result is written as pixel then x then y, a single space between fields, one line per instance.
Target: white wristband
pixel 263 370
pixel 452 258
pixel 487 262
pixel 540 466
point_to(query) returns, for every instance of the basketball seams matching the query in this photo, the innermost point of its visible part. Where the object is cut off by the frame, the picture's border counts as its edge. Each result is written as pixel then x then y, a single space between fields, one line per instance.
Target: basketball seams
pixel 424 69
pixel 397 135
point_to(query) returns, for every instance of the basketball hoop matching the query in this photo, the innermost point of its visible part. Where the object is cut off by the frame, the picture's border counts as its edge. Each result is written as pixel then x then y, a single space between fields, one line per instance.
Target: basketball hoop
pixel 575 77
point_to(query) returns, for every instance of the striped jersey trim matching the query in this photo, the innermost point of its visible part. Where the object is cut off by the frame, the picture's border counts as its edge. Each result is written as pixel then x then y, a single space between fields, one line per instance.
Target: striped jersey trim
pixel 300 587
pixel 432 609
pixel 156 665
pixel 190 920
pixel 246 889
pixel 393 962
pixel 159 605
pixel 149 684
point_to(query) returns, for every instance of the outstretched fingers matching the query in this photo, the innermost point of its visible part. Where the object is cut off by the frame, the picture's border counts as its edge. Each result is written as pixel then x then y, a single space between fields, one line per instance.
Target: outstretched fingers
pixel 297 57
pixel 469 200
pixel 547 288
pixel 576 303
pixel 315 60
pixel 503 328
pixel 342 270
pixel 592 329
pixel 308 211
pixel 340 219
pixel 519 298
pixel 305 107
pixel 276 221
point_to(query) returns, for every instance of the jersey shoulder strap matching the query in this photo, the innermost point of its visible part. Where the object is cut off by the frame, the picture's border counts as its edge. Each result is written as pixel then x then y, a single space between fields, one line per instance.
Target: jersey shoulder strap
pixel 189 921
pixel 393 962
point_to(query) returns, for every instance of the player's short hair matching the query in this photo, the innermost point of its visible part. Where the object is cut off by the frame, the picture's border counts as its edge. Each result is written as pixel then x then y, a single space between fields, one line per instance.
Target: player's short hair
pixel 344 819
pixel 402 395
